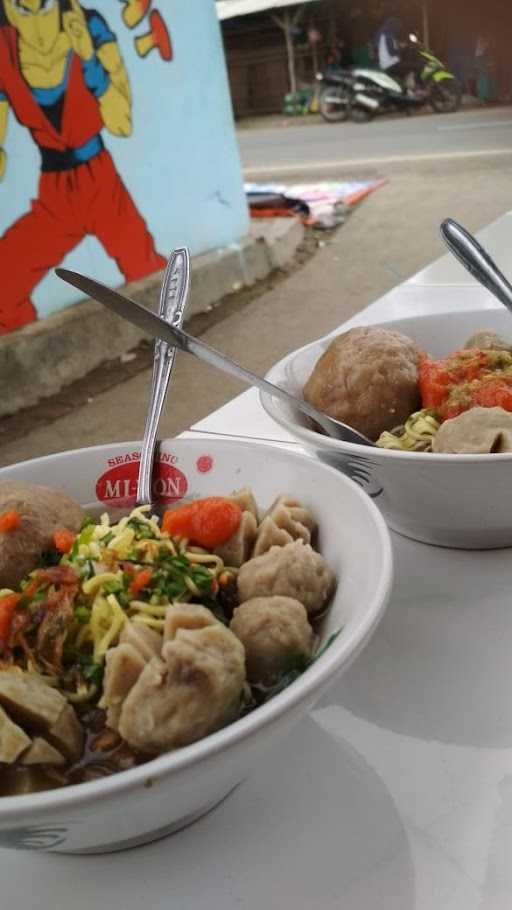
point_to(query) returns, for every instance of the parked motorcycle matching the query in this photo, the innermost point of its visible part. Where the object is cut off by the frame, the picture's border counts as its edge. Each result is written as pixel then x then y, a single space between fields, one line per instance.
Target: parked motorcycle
pixel 336 93
pixel 363 93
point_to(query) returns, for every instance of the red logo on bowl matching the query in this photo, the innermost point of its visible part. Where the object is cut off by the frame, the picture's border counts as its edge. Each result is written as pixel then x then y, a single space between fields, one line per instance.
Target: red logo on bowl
pixel 204 464
pixel 118 485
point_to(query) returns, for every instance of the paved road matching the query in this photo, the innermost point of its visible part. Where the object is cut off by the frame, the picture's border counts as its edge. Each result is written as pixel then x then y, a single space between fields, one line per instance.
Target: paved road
pixel 319 150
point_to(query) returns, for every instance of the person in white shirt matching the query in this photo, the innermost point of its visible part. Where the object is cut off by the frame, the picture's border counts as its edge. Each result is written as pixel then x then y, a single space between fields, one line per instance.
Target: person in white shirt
pixel 388 45
pixel 395 58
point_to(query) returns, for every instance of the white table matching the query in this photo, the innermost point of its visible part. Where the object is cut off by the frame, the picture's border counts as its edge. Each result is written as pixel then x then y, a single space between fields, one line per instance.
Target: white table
pixel 394 794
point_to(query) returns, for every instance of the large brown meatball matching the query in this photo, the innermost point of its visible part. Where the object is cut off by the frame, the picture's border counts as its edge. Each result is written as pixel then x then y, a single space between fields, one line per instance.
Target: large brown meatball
pixel 274 632
pixel 367 378
pixel 42 511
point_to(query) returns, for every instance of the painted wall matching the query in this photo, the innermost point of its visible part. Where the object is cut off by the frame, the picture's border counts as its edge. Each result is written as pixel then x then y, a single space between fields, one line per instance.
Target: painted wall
pixel 180 164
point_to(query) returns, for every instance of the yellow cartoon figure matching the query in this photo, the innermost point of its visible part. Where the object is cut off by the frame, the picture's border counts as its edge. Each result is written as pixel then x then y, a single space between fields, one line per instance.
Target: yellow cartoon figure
pixel 63 76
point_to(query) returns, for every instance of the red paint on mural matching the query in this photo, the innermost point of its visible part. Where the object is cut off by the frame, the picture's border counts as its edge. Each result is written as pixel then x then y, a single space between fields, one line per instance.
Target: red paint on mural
pixel 80 191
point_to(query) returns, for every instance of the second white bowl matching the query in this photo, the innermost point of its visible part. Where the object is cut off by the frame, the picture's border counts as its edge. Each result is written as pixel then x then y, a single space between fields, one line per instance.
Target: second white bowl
pixel 450 500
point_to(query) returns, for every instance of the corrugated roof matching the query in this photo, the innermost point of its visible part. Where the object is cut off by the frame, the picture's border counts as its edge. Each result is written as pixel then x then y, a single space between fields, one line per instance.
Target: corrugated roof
pixel 228 9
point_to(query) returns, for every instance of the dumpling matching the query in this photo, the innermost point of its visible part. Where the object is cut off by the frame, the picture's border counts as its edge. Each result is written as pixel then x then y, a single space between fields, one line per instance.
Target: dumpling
pixel 294 570
pixel 286 520
pixel 123 666
pixel 244 498
pixel 237 550
pixel 274 632
pixel 477 431
pixel 298 515
pixel 190 689
pixel 145 640
pixel 486 340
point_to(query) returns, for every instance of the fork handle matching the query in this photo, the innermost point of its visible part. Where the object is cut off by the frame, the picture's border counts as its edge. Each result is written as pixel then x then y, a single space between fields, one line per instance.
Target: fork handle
pixel 476 260
pixel 173 299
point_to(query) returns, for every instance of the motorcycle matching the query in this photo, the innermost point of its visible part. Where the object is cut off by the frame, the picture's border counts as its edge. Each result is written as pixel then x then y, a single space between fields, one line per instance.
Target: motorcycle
pixel 362 93
pixel 336 92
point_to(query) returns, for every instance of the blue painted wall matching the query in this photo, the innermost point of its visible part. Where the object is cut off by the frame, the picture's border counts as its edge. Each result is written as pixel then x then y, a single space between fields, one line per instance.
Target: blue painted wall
pixel 181 162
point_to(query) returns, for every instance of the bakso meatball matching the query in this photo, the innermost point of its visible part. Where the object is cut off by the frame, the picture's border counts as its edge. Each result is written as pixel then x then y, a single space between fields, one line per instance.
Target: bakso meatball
pixel 41 512
pixel 189 691
pixel 477 431
pixel 486 340
pixel 294 570
pixel 274 631
pixel 368 378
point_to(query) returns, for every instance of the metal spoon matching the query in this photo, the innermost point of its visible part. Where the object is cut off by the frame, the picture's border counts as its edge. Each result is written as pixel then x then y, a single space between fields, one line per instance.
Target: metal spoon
pixel 155 326
pixel 476 260
pixel 173 299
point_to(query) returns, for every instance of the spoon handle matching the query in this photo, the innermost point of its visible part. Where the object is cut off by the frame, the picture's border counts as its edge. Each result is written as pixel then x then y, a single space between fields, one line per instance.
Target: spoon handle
pixel 476 260
pixel 173 299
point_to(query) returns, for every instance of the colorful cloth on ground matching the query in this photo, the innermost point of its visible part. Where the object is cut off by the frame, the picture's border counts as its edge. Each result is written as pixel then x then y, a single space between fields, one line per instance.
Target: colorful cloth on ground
pixel 321 204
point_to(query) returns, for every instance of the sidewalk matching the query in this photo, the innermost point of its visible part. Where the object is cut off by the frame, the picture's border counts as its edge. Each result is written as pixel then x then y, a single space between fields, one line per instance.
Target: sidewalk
pixel 390 236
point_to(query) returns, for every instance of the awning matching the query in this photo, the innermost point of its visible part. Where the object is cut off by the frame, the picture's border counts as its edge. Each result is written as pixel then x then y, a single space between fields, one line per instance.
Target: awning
pixel 228 9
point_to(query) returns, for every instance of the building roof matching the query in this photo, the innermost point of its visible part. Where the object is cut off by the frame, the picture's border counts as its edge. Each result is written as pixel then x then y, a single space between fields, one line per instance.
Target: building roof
pixel 228 9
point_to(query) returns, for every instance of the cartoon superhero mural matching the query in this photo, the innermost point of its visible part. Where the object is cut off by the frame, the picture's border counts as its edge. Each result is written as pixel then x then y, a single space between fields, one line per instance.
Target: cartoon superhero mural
pixel 63 76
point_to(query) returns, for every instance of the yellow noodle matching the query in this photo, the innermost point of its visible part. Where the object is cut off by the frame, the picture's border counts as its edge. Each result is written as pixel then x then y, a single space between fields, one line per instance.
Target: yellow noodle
pixel 192 586
pixel 205 559
pixel 139 512
pixel 150 548
pixel 122 543
pixel 121 525
pixel 168 544
pixel 418 432
pixel 100 531
pixel 117 620
pixel 152 521
pixel 97 581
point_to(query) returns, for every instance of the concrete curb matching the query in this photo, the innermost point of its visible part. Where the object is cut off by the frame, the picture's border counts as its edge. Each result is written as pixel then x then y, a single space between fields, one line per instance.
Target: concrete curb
pixel 44 357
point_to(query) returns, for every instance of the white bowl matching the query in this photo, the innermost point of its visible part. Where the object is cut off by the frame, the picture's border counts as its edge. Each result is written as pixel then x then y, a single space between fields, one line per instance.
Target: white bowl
pixel 450 500
pixel 147 802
